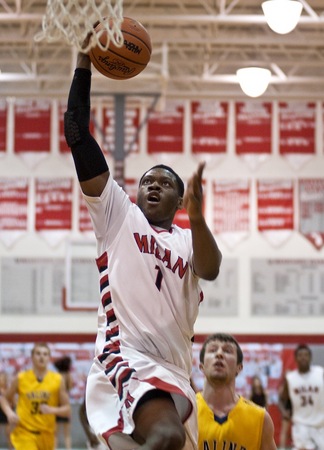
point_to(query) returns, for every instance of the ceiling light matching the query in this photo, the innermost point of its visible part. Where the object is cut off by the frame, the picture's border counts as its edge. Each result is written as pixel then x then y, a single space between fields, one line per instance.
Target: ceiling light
pixel 282 16
pixel 253 80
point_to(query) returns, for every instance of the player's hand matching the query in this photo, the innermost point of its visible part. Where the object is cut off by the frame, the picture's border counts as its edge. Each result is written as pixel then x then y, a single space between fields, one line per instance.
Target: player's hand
pixel 13 419
pixel 193 197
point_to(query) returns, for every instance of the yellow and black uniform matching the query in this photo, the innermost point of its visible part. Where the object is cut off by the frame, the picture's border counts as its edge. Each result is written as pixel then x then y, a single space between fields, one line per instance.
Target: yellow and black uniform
pixel 36 431
pixel 241 429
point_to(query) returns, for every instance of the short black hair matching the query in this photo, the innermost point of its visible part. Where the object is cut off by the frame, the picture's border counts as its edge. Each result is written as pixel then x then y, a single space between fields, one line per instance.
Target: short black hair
pixel 302 347
pixel 169 169
pixel 63 364
pixel 222 337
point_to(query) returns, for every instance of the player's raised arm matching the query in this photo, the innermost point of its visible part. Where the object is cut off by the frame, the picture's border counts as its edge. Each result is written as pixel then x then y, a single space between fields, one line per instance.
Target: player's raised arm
pixel 90 163
pixel 206 254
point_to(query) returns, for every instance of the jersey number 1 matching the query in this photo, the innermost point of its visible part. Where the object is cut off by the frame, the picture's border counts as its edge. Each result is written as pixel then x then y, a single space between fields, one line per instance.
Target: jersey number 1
pixel 159 276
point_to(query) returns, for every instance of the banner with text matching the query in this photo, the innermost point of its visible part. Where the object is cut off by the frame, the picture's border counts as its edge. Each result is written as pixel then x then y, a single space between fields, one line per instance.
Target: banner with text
pixel 13 209
pixel 32 136
pixel 209 130
pixel 231 210
pixel 253 132
pixel 275 200
pixel 53 218
pixel 297 132
pixel 311 210
pixel 165 132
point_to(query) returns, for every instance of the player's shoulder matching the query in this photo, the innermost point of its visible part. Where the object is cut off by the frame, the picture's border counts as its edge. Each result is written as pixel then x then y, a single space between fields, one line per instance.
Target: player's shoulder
pixel 25 374
pixel 250 405
pixel 317 369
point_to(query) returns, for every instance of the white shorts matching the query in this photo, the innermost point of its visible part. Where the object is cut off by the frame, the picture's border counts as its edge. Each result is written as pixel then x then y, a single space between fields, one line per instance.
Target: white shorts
pixel 307 437
pixel 110 408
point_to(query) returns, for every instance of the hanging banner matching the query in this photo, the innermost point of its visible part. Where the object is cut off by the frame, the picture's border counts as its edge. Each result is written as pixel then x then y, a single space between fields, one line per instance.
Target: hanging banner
pixel 209 130
pixel 297 132
pixel 275 199
pixel 131 128
pixel 32 130
pixel 13 209
pixel 3 127
pixel 253 132
pixel 311 210
pixel 231 211
pixel 165 132
pixel 63 147
pixel 53 218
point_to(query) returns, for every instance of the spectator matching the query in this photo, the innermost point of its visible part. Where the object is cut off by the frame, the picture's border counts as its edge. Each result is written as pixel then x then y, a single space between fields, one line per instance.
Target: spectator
pixel 258 394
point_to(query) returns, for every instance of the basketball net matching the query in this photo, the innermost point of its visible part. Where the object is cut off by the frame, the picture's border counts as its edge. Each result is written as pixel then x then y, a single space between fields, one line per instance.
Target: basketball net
pixel 73 20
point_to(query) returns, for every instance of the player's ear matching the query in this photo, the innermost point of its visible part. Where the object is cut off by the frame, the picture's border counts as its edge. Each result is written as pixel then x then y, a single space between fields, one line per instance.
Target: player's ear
pixel 180 203
pixel 239 368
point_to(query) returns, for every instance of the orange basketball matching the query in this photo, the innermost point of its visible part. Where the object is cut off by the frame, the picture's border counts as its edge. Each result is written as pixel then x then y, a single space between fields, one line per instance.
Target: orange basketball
pixel 130 59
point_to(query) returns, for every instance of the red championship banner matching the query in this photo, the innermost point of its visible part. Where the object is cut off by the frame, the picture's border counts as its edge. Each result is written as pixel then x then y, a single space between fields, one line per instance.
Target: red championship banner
pixel 311 210
pixel 131 127
pixel 3 127
pixel 165 131
pixel 13 209
pixel 32 130
pixel 231 210
pixel 53 208
pixel 253 132
pixel 209 129
pixel 297 132
pixel 63 148
pixel 275 199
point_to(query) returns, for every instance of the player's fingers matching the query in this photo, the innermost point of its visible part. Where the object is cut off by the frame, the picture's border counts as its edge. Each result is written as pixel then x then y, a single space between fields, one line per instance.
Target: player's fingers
pixel 200 170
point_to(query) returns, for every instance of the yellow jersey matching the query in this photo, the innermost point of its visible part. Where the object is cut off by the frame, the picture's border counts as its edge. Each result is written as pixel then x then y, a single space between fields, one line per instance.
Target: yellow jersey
pixel 240 430
pixel 32 393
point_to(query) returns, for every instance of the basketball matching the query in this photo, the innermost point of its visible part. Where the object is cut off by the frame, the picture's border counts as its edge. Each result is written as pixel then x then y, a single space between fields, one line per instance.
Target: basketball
pixel 130 59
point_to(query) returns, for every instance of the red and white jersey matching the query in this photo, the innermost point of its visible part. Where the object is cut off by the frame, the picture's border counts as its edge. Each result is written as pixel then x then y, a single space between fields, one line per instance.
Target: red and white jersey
pixel 306 391
pixel 150 294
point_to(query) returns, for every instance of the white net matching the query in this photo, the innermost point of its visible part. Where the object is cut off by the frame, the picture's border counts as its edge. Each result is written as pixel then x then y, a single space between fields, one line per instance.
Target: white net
pixel 73 20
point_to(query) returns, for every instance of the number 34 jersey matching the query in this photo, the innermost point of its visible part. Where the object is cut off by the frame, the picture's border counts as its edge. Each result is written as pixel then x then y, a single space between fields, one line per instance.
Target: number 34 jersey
pixel 32 393
pixel 306 391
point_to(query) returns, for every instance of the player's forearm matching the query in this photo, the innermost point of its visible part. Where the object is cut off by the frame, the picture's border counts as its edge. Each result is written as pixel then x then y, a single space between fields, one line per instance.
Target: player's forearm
pixel 206 254
pixel 6 407
pixel 90 163
pixel 61 411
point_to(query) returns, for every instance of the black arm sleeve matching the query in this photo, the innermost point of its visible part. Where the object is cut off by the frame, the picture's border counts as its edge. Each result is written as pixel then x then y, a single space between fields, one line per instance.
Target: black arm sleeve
pixel 88 158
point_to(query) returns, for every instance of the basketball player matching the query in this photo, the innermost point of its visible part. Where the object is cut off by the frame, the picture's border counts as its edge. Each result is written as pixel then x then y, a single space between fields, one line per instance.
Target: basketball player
pixel 304 387
pixel 41 396
pixel 225 419
pixel 138 391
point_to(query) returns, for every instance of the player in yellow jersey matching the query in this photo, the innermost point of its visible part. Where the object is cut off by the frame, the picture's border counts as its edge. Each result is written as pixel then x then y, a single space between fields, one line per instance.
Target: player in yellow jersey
pixel 42 396
pixel 225 419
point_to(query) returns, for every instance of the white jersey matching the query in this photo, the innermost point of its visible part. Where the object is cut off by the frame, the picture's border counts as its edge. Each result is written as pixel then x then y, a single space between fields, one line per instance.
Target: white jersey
pixel 149 303
pixel 306 392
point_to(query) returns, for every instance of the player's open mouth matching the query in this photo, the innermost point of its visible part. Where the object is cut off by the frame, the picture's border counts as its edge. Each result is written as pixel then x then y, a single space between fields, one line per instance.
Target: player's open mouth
pixel 153 198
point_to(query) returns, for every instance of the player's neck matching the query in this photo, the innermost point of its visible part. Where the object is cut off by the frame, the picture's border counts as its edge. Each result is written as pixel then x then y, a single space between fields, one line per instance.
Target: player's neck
pixel 220 398
pixel 39 373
